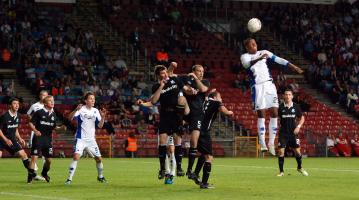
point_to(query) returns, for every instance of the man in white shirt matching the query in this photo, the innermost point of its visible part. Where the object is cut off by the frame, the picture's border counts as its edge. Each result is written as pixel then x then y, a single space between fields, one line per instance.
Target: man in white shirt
pixel 264 92
pixel 88 118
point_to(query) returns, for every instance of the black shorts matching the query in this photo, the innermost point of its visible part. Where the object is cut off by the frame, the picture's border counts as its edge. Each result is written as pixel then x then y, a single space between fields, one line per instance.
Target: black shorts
pixel 42 146
pixel 16 147
pixel 194 120
pixel 291 141
pixel 168 122
pixel 204 145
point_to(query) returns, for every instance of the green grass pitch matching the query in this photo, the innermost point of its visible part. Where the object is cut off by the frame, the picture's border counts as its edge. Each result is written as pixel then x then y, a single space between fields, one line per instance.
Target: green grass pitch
pixel 234 178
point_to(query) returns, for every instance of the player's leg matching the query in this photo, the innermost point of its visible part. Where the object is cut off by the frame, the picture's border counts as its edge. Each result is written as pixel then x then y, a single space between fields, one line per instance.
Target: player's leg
pixel 261 127
pixel 178 154
pixel 281 160
pixel 298 156
pixel 200 162
pixel 94 150
pixel 25 160
pixel 207 167
pixel 79 147
pixel 31 170
pixel 162 154
pixel 195 127
pixel 46 168
pixel 99 167
pixel 273 128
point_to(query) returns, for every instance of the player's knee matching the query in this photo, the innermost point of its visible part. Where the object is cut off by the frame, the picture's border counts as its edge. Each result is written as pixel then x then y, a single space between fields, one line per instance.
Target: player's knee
pixel 22 154
pixel 98 159
pixel 76 157
pixel 182 100
pixel 209 158
pixel 261 113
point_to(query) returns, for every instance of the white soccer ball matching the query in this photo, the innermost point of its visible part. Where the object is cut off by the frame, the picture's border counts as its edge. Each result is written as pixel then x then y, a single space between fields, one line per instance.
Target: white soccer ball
pixel 254 25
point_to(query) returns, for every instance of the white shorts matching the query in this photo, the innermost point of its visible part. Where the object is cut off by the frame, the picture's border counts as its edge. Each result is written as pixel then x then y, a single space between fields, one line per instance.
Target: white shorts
pixel 264 96
pixel 87 145
pixel 170 141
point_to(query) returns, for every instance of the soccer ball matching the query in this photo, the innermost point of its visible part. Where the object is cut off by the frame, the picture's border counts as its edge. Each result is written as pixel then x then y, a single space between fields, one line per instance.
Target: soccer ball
pixel 254 25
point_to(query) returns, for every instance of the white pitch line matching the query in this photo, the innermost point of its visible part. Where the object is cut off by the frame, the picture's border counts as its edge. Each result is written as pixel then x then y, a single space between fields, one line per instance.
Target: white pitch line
pixel 264 167
pixel 32 196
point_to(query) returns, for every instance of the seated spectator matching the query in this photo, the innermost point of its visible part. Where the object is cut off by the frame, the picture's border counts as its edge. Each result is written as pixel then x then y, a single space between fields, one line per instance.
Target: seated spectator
pixel 139 116
pixel 352 100
pixel 120 64
pixel 331 148
pixel 142 127
pixel 342 145
pixel 116 122
pixel 241 82
pixel 294 86
pixel 126 122
pixel 355 144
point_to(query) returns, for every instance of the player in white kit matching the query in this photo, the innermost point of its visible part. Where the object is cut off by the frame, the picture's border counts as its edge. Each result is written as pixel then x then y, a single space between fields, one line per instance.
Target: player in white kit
pixel 264 92
pixel 88 118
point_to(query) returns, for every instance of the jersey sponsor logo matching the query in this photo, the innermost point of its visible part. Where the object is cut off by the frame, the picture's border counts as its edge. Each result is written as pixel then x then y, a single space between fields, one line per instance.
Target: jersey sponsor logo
pixel 46 123
pixel 52 118
pixel 172 82
pixel 293 110
pixel 288 116
pixel 13 126
pixel 169 89
pixel 88 116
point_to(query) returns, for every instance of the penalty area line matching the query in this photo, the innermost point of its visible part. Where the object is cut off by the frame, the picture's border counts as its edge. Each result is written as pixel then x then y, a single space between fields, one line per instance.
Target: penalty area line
pixel 31 196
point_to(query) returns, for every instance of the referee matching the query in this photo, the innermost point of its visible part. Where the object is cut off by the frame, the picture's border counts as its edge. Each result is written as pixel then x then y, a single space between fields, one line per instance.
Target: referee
pixel 291 120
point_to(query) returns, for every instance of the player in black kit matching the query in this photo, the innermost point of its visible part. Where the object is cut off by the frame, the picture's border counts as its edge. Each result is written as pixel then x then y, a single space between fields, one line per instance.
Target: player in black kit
pixel 195 101
pixel 166 91
pixel 211 107
pixel 43 122
pixel 10 139
pixel 291 120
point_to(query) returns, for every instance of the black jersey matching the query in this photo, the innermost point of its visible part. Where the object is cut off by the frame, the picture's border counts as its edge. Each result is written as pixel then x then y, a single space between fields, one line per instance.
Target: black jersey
pixel 210 108
pixel 9 124
pixel 44 121
pixel 288 116
pixel 195 102
pixel 169 93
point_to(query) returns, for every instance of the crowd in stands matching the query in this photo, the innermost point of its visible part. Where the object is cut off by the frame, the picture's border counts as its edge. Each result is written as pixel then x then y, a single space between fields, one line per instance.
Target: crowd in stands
pixel 327 37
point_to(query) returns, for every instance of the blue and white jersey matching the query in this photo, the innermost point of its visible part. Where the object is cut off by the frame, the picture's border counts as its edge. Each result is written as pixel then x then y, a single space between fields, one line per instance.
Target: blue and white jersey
pixel 87 120
pixel 259 72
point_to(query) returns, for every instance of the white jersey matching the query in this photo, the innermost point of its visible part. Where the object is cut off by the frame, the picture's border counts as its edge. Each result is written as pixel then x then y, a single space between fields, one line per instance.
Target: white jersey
pixel 259 72
pixel 87 120
pixel 35 107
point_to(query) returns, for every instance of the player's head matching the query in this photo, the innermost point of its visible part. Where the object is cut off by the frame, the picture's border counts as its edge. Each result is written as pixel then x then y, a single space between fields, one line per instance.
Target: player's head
pixel 251 45
pixel 215 95
pixel 42 95
pixel 89 99
pixel 288 96
pixel 49 102
pixel 14 104
pixel 161 72
pixel 198 70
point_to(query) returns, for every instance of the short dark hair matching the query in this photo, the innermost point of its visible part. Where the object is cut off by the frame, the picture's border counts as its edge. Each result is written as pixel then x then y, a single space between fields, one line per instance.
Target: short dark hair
pixel 87 94
pixel 12 99
pixel 288 90
pixel 159 68
pixel 195 66
pixel 246 41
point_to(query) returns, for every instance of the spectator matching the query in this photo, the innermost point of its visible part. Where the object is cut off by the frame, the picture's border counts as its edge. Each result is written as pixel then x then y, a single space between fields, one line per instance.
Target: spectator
pixel 142 127
pixel 331 148
pixel 342 145
pixel 126 122
pixel 355 144
pixel 352 100
pixel 121 65
pixel 241 82
pixel 131 146
pixel 162 57
pixel 294 86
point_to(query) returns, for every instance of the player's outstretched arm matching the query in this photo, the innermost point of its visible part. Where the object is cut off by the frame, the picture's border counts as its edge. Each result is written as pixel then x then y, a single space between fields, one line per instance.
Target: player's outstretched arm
pixel 144 103
pixel 295 68
pixel 156 96
pixel 103 113
pixel 171 69
pixel 225 111
pixel 72 114
pixel 200 85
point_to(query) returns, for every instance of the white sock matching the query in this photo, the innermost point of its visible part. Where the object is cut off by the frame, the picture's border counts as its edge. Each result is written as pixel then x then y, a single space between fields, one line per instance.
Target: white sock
pixel 273 127
pixel 167 164
pixel 99 169
pixel 173 169
pixel 72 169
pixel 261 131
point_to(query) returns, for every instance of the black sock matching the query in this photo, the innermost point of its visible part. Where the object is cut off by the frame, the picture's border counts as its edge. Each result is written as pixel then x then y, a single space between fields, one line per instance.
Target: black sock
pixel 299 161
pixel 45 169
pixel 26 163
pixel 178 156
pixel 200 162
pixel 206 172
pixel 180 113
pixel 191 158
pixel 281 163
pixel 162 153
